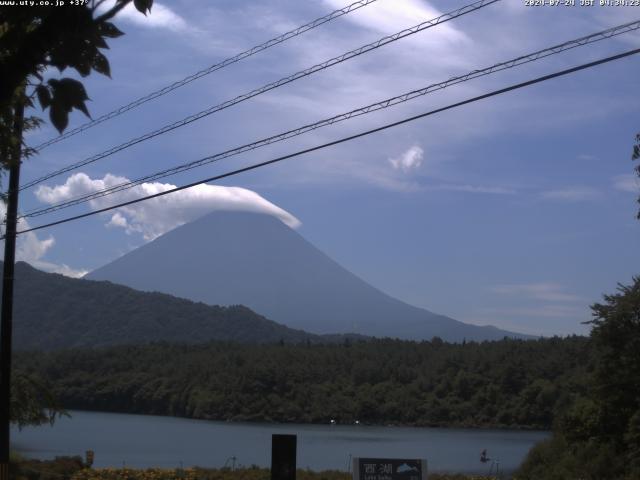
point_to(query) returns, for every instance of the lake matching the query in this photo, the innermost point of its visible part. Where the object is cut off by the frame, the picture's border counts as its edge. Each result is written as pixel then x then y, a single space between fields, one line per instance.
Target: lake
pixel 146 441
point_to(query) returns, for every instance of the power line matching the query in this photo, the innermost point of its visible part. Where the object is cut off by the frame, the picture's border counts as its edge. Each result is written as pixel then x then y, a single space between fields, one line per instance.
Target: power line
pixel 338 118
pixel 605 34
pixel 217 66
pixel 342 140
pixel 270 86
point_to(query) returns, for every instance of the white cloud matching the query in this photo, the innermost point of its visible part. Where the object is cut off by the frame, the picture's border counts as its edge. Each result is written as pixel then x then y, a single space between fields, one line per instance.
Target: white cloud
pixel 31 249
pixel 409 160
pixel 571 194
pixel 627 183
pixel 118 221
pixel 61 268
pixel 157 216
pixel 350 167
pixel 551 292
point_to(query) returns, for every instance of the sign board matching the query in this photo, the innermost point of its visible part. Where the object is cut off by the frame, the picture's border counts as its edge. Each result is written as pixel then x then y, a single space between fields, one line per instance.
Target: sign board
pixel 389 469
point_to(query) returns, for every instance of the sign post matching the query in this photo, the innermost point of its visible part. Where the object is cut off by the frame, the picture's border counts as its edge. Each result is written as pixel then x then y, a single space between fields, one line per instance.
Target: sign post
pixel 88 458
pixel 389 469
pixel 283 457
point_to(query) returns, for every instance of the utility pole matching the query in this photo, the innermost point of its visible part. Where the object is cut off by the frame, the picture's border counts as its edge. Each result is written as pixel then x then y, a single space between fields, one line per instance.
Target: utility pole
pixel 6 320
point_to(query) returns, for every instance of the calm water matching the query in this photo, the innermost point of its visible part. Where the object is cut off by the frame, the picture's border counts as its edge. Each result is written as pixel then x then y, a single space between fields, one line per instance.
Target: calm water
pixel 145 441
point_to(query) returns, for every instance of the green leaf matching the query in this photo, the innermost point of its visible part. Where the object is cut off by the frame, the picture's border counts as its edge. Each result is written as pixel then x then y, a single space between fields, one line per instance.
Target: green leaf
pixel 99 41
pixel 73 88
pixel 59 117
pixel 67 94
pixel 109 30
pixel 143 6
pixel 44 96
pixel 83 108
pixel 83 67
pixel 101 64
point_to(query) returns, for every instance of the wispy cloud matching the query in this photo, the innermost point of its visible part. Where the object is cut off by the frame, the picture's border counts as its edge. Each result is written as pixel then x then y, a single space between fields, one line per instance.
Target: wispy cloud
pixel 544 311
pixel 157 216
pixel 389 17
pixel 627 183
pixel 475 189
pixel 571 194
pixel 552 292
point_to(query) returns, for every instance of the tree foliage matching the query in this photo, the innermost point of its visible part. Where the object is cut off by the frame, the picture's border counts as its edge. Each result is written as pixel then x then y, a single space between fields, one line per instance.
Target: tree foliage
pixel 598 437
pixel 36 38
pixel 636 156
pixel 510 383
pixel 616 336
pixel 32 402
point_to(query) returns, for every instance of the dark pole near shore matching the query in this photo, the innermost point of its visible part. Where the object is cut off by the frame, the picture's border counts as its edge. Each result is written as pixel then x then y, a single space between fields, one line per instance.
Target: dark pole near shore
pixel 6 320
pixel 283 457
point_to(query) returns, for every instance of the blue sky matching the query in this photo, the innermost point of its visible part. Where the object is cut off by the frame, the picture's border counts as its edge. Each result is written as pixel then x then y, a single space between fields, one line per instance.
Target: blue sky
pixel 516 211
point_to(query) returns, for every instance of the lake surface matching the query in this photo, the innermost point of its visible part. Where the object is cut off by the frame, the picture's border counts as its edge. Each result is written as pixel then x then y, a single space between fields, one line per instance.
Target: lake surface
pixel 147 441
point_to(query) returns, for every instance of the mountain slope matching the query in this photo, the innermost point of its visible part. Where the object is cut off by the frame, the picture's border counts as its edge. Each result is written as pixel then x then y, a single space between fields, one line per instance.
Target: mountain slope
pixel 229 258
pixel 54 312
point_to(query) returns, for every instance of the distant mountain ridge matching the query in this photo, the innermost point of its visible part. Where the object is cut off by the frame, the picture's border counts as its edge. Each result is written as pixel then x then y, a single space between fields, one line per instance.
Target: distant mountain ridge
pixel 228 258
pixel 55 312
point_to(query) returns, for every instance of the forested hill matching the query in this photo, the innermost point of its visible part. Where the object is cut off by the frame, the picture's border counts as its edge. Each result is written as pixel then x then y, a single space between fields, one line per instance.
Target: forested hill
pixel 52 312
pixel 509 383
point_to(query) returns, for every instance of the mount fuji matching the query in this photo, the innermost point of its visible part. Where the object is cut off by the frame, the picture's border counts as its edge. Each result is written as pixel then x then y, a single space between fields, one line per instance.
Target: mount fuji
pixel 240 258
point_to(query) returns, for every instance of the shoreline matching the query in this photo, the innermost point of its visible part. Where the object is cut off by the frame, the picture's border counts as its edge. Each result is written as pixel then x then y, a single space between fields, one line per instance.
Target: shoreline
pixel 506 428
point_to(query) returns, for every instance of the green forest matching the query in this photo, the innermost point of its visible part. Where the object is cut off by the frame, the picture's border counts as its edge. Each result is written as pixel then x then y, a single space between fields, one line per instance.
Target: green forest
pixel 509 383
pixel 585 389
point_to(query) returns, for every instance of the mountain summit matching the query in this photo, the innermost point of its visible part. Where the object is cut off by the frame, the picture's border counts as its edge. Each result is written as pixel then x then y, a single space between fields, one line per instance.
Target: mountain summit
pixel 238 258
